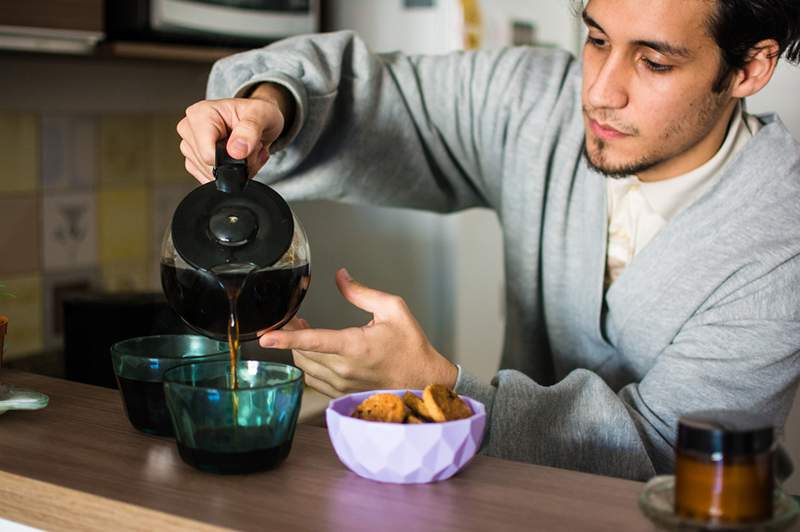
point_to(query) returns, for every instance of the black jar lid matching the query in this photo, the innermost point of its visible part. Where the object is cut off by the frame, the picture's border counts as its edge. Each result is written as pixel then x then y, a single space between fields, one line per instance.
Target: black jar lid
pixel 729 433
pixel 232 220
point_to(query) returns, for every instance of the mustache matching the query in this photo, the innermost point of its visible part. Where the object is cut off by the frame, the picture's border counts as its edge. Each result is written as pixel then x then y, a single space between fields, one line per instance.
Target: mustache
pixel 603 116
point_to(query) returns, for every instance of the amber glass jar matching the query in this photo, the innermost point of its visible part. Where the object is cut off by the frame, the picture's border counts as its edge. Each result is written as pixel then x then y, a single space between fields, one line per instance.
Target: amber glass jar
pixel 723 471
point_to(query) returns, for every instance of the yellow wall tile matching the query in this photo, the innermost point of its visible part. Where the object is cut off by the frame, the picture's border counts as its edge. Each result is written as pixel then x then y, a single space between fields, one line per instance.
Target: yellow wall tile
pixel 125 150
pixel 19 152
pixel 168 161
pixel 20 233
pixel 24 312
pixel 123 218
pixel 127 276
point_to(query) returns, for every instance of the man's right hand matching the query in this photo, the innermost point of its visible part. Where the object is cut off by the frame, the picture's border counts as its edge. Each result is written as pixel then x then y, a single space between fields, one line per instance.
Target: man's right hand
pixel 251 125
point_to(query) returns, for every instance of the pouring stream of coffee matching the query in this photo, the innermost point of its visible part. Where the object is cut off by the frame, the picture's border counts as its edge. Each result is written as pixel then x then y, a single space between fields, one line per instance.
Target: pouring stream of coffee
pixel 232 277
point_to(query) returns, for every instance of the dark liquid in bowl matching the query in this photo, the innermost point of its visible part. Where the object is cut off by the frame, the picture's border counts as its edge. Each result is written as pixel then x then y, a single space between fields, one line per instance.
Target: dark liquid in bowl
pixel 266 300
pixel 233 462
pixel 234 305
pixel 145 405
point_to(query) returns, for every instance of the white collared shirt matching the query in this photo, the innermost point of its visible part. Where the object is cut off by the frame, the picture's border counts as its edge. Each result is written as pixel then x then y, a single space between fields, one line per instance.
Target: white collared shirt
pixel 638 210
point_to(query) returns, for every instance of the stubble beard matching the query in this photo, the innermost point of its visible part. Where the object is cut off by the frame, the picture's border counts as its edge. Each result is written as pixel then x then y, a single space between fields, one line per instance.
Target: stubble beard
pixel 597 162
pixel 694 131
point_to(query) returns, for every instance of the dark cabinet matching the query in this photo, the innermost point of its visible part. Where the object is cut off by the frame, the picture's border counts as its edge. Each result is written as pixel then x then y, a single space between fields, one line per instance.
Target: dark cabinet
pixel 77 15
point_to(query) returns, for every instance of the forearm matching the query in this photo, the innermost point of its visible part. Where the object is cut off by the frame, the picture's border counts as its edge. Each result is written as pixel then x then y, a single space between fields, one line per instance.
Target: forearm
pixel 739 355
pixel 423 132
pixel 578 423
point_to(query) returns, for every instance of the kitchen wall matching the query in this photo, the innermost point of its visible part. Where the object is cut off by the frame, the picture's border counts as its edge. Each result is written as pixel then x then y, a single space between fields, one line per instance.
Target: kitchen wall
pixel 91 172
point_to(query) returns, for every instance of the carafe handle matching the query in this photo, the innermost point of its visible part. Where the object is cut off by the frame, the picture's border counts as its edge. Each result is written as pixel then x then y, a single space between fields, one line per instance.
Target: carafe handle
pixel 230 173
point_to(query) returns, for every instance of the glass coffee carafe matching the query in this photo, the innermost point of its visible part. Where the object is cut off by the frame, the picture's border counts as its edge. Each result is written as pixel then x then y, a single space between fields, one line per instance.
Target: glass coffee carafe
pixel 235 259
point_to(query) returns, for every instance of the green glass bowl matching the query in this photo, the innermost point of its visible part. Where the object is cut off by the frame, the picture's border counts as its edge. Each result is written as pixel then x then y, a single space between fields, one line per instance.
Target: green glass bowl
pixel 222 430
pixel 139 365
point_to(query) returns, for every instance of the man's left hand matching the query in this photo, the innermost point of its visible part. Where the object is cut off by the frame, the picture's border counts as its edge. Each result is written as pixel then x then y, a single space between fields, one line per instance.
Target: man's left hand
pixel 389 352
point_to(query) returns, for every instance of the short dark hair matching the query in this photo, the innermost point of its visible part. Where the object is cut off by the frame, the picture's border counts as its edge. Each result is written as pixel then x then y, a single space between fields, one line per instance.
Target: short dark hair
pixel 738 25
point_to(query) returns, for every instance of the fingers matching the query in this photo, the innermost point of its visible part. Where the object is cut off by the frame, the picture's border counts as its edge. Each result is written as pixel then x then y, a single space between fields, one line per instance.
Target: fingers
pixel 321 386
pixel 196 171
pixel 320 366
pixel 383 305
pixel 313 367
pixel 202 174
pixel 295 324
pixel 205 124
pixel 318 340
pixel 245 138
pixel 257 159
pixel 256 123
pixel 253 124
pixel 193 162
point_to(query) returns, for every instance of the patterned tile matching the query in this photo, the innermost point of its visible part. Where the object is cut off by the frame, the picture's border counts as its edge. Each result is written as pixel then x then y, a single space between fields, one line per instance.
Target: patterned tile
pixel 24 313
pixel 69 231
pixel 168 160
pixel 123 224
pixel 127 276
pixel 69 151
pixel 20 234
pixel 19 152
pixel 56 287
pixel 125 150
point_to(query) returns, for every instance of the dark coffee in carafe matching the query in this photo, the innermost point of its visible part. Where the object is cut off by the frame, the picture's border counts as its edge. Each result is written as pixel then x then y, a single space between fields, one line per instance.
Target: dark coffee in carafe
pixel 266 298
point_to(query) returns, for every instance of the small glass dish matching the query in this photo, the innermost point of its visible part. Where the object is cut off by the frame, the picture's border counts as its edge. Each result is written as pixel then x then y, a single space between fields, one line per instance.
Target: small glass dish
pixel 223 430
pixel 139 365
pixel 657 502
pixel 16 398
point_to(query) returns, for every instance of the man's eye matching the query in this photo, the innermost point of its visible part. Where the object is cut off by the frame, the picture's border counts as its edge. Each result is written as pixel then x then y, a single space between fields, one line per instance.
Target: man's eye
pixel 596 42
pixel 656 67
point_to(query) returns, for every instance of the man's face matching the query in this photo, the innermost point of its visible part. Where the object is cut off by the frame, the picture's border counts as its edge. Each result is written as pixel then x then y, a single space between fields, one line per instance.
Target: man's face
pixel 648 71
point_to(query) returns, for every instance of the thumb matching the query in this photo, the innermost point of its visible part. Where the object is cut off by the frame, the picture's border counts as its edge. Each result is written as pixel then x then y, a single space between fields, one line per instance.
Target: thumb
pixel 255 124
pixel 245 138
pixel 380 304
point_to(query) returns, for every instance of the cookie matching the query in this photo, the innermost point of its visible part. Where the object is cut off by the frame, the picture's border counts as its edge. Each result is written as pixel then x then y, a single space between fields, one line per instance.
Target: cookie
pixel 417 406
pixel 414 420
pixel 444 404
pixel 384 407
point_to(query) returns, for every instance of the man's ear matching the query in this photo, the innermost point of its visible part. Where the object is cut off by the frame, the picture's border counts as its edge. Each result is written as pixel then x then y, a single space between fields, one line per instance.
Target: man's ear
pixel 757 70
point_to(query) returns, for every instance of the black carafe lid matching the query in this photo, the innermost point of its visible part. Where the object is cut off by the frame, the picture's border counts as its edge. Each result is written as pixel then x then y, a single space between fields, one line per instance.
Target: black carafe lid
pixel 232 220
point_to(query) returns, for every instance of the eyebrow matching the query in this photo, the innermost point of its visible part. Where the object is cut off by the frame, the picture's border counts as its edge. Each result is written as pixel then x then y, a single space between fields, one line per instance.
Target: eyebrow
pixel 662 47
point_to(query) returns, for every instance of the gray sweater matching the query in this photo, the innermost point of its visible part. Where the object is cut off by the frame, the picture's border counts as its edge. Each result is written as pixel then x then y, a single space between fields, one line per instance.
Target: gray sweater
pixel 707 316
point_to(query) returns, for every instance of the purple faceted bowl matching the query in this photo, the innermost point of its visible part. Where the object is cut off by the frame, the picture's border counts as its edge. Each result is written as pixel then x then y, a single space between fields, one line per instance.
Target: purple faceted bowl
pixel 402 453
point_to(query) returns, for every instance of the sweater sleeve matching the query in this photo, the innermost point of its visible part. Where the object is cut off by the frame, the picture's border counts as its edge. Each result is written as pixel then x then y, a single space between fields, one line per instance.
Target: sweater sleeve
pixel 406 131
pixel 741 354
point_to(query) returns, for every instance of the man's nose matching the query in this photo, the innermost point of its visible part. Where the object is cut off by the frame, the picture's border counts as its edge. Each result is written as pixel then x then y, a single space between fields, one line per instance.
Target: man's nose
pixel 608 89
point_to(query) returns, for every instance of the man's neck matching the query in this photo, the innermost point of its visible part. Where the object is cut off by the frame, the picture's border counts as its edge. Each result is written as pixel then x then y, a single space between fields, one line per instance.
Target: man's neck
pixel 695 156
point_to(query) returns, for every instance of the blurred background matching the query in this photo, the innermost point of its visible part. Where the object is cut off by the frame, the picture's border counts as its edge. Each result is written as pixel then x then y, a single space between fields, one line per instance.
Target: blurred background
pixel 91 93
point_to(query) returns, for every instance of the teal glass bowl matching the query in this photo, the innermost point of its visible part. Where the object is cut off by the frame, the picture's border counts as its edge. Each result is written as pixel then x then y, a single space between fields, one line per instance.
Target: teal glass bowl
pixel 139 366
pixel 222 430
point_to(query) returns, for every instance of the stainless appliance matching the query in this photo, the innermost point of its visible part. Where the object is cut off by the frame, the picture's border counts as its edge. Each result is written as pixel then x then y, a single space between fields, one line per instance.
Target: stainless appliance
pixel 228 22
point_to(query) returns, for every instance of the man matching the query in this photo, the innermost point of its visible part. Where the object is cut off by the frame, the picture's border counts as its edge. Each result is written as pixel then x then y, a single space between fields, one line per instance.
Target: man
pixel 651 227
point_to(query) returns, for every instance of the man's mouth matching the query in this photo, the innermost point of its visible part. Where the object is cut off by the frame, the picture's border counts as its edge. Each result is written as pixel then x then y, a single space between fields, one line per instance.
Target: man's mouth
pixel 605 131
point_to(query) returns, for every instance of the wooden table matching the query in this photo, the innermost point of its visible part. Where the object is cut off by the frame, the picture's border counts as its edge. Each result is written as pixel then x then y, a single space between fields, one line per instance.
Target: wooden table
pixel 79 464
